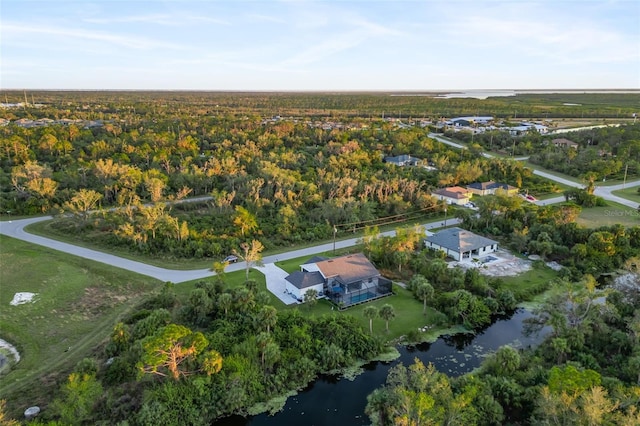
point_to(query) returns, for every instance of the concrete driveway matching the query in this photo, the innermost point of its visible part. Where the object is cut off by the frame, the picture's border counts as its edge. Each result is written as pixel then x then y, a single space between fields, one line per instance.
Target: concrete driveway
pixel 276 282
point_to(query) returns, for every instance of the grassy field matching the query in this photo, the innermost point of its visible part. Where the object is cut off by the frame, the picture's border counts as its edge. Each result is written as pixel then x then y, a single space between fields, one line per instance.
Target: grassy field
pixel 529 282
pixel 77 303
pixel 629 193
pixel 612 214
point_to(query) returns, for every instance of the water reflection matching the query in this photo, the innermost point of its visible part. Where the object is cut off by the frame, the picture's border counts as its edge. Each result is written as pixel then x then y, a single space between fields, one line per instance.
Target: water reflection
pixel 333 400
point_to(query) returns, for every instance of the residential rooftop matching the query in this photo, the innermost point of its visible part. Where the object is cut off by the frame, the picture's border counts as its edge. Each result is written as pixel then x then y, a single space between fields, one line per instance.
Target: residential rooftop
pixel 460 240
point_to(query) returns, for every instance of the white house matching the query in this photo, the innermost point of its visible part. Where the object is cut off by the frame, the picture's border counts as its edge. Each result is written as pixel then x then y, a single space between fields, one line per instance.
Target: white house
pixel 299 282
pixel 461 244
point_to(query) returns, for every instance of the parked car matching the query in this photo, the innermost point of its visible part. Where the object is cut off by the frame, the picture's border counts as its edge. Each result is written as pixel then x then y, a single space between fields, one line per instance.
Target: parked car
pixel 230 259
pixel 471 206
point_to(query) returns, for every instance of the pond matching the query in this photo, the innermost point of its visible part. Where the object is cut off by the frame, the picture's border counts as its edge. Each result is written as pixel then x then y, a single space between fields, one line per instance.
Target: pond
pixel 331 400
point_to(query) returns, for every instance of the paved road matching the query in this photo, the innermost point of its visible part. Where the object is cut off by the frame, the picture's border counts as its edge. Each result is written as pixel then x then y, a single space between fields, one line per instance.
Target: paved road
pixel 558 179
pixel 605 192
pixel 446 141
pixel 16 229
pixel 601 191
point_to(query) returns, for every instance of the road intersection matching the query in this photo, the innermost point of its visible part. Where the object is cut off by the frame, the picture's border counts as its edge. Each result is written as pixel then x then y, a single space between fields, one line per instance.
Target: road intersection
pixel 16 229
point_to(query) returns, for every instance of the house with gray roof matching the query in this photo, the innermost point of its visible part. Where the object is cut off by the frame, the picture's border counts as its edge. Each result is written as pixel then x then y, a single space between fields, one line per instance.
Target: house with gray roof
pixel 403 160
pixel 461 244
pixel 345 280
pixel 299 282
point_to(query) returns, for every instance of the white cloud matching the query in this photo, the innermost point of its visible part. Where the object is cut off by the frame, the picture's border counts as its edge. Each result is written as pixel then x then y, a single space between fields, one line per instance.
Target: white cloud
pixel 570 41
pixel 12 30
pixel 256 17
pixel 165 19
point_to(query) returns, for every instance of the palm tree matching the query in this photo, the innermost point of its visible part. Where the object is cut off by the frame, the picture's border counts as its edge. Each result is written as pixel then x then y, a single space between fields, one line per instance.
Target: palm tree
pixel 262 341
pixel 370 312
pixel 218 268
pixel 507 359
pixel 387 313
pixel 269 317
pixel 245 220
pixel 424 292
pixel 224 302
pixel 590 183
pixel 310 297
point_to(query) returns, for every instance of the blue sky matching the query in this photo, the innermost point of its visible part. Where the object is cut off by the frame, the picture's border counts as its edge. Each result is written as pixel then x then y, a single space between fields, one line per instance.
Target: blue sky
pixel 319 45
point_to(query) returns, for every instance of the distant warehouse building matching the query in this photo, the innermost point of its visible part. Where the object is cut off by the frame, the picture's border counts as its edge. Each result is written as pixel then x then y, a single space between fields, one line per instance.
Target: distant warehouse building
pixel 468 121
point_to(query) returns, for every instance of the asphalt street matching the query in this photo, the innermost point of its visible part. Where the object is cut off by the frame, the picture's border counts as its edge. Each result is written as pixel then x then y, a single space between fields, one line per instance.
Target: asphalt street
pixel 16 229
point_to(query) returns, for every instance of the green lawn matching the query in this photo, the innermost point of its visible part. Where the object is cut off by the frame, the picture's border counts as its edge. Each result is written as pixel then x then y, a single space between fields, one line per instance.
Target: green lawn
pixel 629 193
pixel 530 282
pixel 77 304
pixel 408 311
pixel 612 214
pixel 549 195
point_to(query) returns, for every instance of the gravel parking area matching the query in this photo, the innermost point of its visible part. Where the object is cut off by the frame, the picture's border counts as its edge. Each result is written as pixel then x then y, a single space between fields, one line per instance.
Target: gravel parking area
pixel 499 264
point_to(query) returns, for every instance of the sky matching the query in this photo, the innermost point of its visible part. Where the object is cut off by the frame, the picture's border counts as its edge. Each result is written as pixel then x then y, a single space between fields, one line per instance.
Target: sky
pixel 330 45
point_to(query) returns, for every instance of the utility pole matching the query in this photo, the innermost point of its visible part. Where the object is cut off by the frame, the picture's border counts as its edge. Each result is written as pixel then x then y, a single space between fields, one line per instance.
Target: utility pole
pixel 624 181
pixel 335 231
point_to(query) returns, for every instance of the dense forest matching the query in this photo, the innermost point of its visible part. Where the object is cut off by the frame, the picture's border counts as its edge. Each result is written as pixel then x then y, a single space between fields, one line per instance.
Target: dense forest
pixel 360 106
pixel 284 181
pixel 202 175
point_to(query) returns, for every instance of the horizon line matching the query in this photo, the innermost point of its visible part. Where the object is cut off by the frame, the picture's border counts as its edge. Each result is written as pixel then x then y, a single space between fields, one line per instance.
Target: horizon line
pixel 585 90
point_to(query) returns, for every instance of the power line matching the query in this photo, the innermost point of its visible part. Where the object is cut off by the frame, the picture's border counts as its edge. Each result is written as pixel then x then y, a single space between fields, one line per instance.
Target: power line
pixel 355 226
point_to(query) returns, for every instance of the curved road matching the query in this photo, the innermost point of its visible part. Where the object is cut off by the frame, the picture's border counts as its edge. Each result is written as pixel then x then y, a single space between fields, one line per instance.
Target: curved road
pixel 601 191
pixel 16 229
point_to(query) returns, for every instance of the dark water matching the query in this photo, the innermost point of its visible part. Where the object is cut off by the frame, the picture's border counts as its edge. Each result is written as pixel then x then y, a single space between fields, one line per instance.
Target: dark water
pixel 332 400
